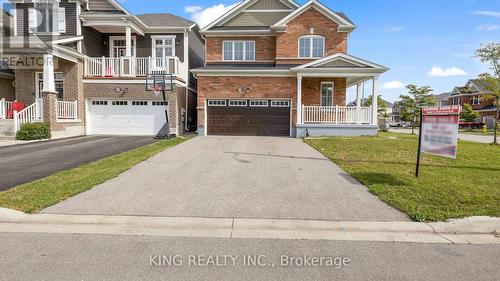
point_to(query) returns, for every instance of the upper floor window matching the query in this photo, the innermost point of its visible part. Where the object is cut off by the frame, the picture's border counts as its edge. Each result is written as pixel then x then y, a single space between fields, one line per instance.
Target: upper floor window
pixel 163 46
pixel 47 17
pixel 238 50
pixel 476 100
pixel 311 46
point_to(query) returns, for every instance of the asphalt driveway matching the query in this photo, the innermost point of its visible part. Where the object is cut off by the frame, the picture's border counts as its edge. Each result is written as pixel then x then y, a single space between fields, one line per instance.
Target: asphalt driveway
pixel 243 177
pixel 24 163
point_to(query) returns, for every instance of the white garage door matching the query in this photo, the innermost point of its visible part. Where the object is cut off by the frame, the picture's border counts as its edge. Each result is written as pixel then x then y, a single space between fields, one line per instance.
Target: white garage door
pixel 126 117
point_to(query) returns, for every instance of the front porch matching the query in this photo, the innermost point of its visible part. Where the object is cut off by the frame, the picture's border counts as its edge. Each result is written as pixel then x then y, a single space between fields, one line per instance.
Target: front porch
pixel 321 97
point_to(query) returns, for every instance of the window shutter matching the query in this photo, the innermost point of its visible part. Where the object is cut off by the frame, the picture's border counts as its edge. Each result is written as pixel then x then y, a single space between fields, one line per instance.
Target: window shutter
pixel 61 18
pixel 31 20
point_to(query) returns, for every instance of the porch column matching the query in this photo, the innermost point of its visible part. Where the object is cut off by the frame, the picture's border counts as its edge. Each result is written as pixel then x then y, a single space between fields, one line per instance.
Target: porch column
pixel 358 103
pixel 374 101
pixel 128 41
pixel 299 99
pixel 49 85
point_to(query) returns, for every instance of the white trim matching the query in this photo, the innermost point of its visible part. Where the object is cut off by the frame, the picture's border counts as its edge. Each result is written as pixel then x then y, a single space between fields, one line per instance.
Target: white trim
pixel 14 17
pixel 233 43
pixel 268 11
pixel 112 44
pixel 223 102
pixel 68 40
pixel 346 57
pixel 162 37
pixel 311 44
pixel 321 92
pixel 123 81
pixel 236 103
pixel 343 24
pixel 265 103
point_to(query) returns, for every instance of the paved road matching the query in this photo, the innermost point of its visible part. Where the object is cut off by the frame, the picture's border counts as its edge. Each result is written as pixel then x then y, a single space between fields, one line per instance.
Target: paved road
pixel 98 257
pixel 461 136
pixel 28 162
pixel 241 177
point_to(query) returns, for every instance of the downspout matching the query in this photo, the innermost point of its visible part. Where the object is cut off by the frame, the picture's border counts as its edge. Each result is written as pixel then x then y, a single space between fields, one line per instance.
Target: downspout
pixel 186 61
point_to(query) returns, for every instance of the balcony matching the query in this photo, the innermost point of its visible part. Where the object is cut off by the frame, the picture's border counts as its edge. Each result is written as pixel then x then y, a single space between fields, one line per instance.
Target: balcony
pixel 129 67
pixel 336 115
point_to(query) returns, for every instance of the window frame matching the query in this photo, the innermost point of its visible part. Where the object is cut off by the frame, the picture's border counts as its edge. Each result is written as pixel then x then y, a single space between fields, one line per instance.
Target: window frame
pixel 236 103
pixel 280 103
pixel 321 93
pixel 112 45
pixel 233 53
pixel 217 103
pixel 476 100
pixel 59 24
pixel 311 44
pixel 163 46
pixel 259 103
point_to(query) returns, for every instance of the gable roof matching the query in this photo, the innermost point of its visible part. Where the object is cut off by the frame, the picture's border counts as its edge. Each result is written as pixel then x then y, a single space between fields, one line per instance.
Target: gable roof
pixel 106 5
pixel 236 10
pixel 344 23
pixel 164 20
pixel 341 60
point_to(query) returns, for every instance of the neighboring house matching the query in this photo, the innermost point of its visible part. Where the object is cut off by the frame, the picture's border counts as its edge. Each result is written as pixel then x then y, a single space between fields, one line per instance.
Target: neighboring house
pixel 396 112
pixel 442 99
pixel 6 75
pixel 276 68
pixel 387 106
pixel 473 93
pixel 102 54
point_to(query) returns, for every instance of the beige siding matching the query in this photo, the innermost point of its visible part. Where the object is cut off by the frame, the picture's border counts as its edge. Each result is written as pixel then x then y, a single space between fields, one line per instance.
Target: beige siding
pixel 337 63
pixel 256 19
pixel 269 5
pixel 101 5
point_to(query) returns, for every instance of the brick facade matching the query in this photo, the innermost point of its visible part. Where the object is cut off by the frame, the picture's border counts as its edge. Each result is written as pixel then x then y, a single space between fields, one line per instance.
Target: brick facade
pixel 287 42
pixel 265 47
pixel 311 90
pixel 7 90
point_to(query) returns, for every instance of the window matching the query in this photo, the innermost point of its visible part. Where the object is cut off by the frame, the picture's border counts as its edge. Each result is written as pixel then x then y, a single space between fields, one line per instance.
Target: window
pixel 163 46
pixel 311 46
pixel 217 103
pixel 119 103
pixel 118 46
pixel 141 103
pixel 58 83
pixel 237 103
pixel 260 103
pixel 280 103
pixel 238 50
pixel 326 94
pixel 159 103
pixel 99 102
pixel 476 100
pixel 47 17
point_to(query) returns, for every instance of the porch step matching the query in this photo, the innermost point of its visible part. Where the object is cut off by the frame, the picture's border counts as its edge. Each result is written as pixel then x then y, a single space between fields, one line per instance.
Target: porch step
pixel 6 127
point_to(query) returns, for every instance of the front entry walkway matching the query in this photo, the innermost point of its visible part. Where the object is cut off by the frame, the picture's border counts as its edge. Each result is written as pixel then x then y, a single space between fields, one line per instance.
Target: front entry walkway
pixel 235 177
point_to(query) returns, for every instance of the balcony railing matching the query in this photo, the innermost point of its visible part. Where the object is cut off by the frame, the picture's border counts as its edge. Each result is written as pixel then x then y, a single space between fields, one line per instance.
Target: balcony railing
pixel 5 107
pixel 66 110
pixel 336 115
pixel 133 67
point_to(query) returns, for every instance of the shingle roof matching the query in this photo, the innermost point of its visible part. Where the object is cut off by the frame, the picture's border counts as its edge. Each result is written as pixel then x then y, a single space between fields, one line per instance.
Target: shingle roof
pixel 164 20
pixel 479 84
pixel 443 96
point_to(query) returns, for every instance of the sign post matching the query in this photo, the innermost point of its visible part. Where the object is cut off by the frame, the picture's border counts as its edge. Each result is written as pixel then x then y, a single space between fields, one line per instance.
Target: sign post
pixel 438 132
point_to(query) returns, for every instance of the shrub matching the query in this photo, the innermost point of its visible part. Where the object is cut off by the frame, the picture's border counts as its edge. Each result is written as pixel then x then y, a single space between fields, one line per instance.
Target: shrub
pixel 34 131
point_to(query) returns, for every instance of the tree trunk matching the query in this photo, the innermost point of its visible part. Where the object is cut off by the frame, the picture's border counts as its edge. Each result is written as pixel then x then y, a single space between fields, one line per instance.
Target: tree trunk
pixel 495 132
pixel 413 126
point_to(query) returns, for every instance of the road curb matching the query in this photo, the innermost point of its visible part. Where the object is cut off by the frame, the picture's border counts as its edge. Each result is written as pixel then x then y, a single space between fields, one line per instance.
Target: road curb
pixel 478 230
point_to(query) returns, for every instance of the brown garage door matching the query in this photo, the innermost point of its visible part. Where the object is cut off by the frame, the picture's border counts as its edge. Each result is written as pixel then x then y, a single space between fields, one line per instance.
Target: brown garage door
pixel 248 117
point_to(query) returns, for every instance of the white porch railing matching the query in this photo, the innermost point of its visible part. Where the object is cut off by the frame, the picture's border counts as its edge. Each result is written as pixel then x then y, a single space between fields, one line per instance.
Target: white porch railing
pixel 133 67
pixel 336 114
pixel 5 106
pixel 67 110
pixel 32 113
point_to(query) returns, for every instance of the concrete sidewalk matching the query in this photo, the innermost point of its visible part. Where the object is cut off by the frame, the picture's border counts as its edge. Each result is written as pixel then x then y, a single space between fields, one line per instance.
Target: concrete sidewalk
pixel 478 230
pixel 461 136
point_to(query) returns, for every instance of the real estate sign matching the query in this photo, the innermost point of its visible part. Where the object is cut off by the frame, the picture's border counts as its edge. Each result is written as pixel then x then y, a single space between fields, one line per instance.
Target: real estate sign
pixel 439 130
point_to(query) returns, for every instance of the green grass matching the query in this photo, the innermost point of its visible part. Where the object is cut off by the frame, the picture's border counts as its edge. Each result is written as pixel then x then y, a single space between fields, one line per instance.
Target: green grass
pixel 446 188
pixel 476 132
pixel 37 195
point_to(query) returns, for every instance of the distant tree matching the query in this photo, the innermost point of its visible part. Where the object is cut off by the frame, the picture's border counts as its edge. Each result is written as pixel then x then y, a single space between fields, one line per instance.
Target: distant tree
pixel 490 54
pixel 411 104
pixel 468 114
pixel 382 106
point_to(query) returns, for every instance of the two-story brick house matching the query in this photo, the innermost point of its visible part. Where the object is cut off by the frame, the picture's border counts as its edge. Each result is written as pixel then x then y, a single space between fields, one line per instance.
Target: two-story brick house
pixel 96 55
pixel 276 68
pixel 474 93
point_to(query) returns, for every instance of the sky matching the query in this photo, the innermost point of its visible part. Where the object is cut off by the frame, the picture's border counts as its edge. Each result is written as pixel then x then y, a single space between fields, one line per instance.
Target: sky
pixel 423 42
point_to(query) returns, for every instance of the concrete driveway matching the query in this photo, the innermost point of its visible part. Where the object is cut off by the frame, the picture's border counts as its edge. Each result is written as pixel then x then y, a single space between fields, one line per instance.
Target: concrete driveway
pixel 237 177
pixel 27 162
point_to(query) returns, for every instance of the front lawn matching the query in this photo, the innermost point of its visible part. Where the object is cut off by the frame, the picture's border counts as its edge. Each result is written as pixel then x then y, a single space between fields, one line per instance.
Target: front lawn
pixel 467 186
pixel 37 195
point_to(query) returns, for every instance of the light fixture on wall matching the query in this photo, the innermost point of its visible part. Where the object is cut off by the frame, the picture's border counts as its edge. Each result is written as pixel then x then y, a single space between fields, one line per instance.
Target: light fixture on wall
pixel 311 30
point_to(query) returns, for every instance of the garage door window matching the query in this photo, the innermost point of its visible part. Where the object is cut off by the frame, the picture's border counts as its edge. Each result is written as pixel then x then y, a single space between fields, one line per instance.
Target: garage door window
pixel 280 103
pixel 99 102
pixel 140 103
pixel 259 103
pixel 159 103
pixel 119 103
pixel 237 103
pixel 217 103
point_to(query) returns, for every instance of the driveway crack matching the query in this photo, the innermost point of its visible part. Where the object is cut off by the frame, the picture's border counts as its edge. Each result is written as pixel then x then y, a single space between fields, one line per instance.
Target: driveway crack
pixel 435 232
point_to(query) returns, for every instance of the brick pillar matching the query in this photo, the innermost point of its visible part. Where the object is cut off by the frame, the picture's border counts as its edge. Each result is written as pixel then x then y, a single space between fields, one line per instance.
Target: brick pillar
pixel 49 109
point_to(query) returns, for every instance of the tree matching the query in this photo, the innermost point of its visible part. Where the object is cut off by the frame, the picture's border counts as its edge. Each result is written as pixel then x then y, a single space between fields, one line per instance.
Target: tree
pixel 411 104
pixel 382 106
pixel 490 54
pixel 468 114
